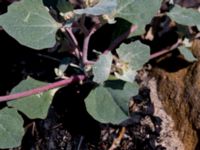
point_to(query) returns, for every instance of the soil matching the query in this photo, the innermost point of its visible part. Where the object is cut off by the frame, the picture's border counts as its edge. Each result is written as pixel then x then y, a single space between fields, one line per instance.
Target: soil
pixel 73 128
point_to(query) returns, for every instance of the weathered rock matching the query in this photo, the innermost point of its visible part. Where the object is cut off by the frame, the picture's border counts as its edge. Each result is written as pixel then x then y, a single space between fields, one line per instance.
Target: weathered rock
pixel 168 136
pixel 178 87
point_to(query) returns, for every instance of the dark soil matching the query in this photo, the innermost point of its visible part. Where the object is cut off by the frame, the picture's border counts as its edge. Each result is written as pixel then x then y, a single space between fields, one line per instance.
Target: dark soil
pixel 69 127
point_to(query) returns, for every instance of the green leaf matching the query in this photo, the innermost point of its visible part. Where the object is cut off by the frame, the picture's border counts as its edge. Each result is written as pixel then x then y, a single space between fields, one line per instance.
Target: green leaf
pixel 185 16
pixel 109 103
pixel 127 75
pixel 101 69
pixel 101 8
pixel 35 106
pixel 134 55
pixel 29 22
pixel 139 12
pixel 11 128
pixel 121 91
pixel 64 6
pixel 187 54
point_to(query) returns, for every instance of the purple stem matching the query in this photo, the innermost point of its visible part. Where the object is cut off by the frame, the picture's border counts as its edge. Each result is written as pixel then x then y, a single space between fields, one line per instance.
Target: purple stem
pixel 85 47
pixel 69 30
pixel 42 89
pixel 166 50
pixel 111 47
pixel 74 42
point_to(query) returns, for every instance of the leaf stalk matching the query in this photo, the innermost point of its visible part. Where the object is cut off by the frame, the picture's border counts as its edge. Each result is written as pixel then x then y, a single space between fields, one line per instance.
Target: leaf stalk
pixel 42 88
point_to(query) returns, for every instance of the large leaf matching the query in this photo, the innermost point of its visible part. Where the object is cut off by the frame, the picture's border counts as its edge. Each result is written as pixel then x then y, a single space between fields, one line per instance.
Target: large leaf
pixel 109 103
pixel 101 8
pixel 29 22
pixel 135 11
pixel 139 12
pixel 11 128
pixel 35 106
pixel 101 69
pixel 185 16
pixel 134 55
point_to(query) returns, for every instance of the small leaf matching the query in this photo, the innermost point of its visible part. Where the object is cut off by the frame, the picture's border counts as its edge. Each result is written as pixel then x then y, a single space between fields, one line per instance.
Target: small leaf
pixel 187 54
pixel 135 55
pixel 101 8
pixel 185 16
pixel 64 6
pixel 109 103
pixel 65 62
pixel 29 22
pixel 11 128
pixel 101 69
pixel 128 75
pixel 139 12
pixel 35 106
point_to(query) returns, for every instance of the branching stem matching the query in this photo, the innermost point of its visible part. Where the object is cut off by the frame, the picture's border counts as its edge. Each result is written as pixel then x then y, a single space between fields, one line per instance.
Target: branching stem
pixel 77 52
pixel 86 45
pixel 72 79
pixel 112 46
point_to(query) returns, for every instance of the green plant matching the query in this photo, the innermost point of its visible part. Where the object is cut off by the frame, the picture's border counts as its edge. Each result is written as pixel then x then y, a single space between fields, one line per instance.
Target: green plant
pixel 112 70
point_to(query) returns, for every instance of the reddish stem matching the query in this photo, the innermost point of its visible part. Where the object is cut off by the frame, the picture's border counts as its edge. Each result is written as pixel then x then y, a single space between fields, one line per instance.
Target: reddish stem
pixel 69 30
pixel 86 45
pixel 111 47
pixel 76 51
pixel 42 89
pixel 166 50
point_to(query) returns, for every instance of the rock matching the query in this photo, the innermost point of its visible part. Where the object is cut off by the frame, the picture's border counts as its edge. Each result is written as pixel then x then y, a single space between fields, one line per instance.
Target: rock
pixel 195 48
pixel 178 88
pixel 192 93
pixel 168 135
